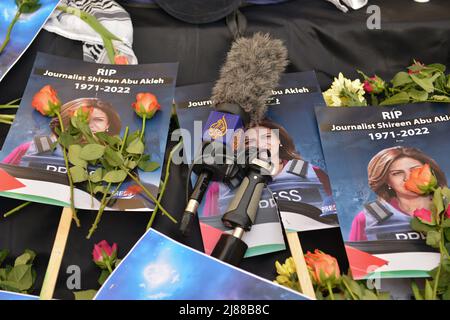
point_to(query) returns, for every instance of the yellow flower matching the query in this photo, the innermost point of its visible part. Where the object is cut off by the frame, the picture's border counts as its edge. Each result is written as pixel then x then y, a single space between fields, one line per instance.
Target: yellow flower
pixel 345 92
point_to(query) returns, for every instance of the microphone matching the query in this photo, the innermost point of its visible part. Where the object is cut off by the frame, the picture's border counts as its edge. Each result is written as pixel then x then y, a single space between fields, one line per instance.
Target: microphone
pixel 259 169
pixel 251 70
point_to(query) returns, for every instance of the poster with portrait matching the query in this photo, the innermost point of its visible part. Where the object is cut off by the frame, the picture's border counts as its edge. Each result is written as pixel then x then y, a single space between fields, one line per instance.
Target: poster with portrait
pixel 299 189
pixel 159 268
pixel 32 169
pixel 23 32
pixel 370 153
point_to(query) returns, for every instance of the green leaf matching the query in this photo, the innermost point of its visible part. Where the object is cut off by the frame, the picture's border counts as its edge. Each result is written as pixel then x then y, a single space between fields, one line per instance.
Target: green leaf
pixel 416 291
pixel 113 141
pixel 96 176
pixel 20 277
pixel 368 295
pixel 92 152
pixel 79 174
pixel 74 156
pixel 131 137
pixel 115 176
pixel 447 233
pixel 22 259
pixel 398 98
pixel 425 83
pixel 98 189
pixel 65 139
pixel 103 276
pixel 3 274
pixel 446 223
pixel 3 255
pixel 440 98
pixel 30 6
pixel 446 295
pixel 85 295
pixel 433 238
pixel 437 200
pixel 148 166
pixel 418 226
pixel 130 164
pixel 114 158
pixel 428 290
pixel 401 78
pixel 437 66
pixel 136 147
pixel 446 266
pixel 418 95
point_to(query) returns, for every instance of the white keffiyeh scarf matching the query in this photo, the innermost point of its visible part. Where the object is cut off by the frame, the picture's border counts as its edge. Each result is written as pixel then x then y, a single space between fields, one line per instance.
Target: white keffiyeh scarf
pixel 111 15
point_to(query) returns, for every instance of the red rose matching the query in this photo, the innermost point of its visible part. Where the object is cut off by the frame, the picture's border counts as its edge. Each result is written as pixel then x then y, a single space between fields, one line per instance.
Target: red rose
pixel 322 267
pixel 374 85
pixel 46 101
pixel 425 216
pixel 121 59
pixel 146 105
pixel 421 180
pixel 367 87
pixel 447 212
pixel 104 255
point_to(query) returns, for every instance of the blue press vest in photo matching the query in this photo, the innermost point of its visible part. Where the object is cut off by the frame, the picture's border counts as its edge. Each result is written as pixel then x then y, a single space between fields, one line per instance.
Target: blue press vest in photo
pixel 396 227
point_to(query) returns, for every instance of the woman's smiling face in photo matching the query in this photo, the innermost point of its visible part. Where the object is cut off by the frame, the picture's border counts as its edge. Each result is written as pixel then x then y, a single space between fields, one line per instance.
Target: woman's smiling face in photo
pixel 399 172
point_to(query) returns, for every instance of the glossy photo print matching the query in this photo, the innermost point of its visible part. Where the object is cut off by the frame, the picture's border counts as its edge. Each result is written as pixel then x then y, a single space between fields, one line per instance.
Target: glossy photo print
pixel 159 268
pixel 299 188
pixel 372 153
pixel 18 28
pixel 32 164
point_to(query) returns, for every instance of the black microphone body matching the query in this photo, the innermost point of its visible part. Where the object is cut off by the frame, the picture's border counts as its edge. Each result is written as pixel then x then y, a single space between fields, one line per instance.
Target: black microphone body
pixel 242 210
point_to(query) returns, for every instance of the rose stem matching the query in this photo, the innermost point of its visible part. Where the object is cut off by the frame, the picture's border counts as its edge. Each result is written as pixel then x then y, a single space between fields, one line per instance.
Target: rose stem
pixel 8 33
pixel 330 290
pixel 150 195
pixel 163 187
pixel 10 212
pixel 100 212
pixel 144 118
pixel 69 176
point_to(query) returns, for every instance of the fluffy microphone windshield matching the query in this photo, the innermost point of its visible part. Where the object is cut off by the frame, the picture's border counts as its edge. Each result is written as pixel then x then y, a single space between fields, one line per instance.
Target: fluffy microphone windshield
pixel 251 71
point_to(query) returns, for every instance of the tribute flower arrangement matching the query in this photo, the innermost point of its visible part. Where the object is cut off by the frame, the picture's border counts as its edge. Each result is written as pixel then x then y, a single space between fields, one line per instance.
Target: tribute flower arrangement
pixel 99 161
pixel 328 282
pixel 417 83
pixel 435 224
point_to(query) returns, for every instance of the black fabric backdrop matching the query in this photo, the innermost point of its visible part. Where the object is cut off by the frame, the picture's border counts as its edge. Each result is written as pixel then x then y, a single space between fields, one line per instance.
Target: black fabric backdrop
pixel 318 37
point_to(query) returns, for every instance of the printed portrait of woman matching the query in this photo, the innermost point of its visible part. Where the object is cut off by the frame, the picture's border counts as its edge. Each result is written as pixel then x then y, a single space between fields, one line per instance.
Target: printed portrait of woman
pixel 289 178
pixel 103 118
pixel 388 218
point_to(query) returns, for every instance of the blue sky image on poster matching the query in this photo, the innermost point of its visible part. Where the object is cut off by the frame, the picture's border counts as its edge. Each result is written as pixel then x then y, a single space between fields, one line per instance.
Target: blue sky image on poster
pixel 24 31
pixel 159 268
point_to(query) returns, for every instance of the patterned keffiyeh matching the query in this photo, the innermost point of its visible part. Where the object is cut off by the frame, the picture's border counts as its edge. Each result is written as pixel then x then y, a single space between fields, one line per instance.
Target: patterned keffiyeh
pixel 111 15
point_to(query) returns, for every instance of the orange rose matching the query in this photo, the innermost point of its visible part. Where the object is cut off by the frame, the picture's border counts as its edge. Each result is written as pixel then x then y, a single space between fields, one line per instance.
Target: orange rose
pixel 46 101
pixel 121 59
pixel 146 105
pixel 322 267
pixel 421 180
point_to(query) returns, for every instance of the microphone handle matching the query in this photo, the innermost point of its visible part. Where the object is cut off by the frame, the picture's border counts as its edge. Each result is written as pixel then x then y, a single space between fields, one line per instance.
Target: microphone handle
pixel 201 185
pixel 243 208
